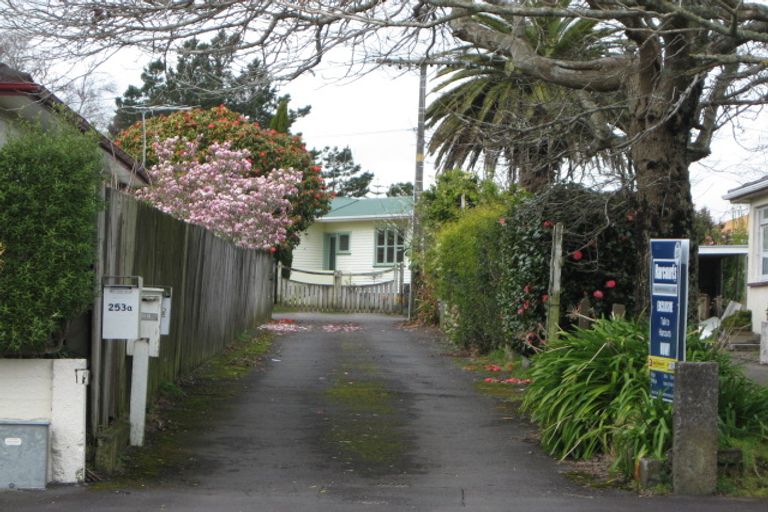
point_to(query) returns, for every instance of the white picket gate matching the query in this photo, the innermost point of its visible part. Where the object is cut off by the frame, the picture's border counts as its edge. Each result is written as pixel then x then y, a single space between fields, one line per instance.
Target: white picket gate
pixel 349 292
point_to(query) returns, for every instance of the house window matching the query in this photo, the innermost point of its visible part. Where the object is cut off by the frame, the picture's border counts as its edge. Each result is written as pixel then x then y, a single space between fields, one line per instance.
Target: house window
pixel 763 237
pixel 334 243
pixel 390 246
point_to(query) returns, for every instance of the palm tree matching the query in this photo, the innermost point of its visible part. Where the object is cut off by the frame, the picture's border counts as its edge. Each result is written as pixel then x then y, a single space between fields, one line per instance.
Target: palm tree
pixel 488 113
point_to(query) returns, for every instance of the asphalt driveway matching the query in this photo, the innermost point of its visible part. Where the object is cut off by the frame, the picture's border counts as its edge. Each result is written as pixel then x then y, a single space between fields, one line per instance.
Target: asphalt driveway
pixel 357 413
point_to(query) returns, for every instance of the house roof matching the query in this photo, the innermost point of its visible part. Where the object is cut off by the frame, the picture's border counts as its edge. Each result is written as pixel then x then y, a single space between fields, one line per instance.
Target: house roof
pixel 345 209
pixel 17 84
pixel 748 191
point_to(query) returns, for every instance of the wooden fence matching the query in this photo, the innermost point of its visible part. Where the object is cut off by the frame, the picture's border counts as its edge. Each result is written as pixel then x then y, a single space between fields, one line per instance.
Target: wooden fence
pixel 343 291
pixel 219 291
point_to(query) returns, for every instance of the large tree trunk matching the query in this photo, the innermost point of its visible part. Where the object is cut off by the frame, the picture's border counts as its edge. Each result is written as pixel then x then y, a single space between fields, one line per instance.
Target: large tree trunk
pixel 661 160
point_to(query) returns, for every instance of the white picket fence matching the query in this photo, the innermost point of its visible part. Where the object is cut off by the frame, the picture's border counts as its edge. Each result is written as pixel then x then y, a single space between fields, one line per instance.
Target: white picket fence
pixel 349 292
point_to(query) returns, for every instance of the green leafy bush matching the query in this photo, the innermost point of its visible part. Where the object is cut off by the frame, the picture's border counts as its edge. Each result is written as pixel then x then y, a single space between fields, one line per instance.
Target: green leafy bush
pixel 49 191
pixel 598 236
pixel 466 266
pixel 590 394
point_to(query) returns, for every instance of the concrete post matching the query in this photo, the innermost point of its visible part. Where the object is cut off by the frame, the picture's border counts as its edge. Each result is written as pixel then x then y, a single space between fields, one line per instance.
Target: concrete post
pixel 139 378
pixel 694 441
pixel 764 343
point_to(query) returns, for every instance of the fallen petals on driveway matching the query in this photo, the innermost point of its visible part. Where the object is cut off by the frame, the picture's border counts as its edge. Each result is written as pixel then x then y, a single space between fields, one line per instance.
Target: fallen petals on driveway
pixel 511 380
pixel 283 326
pixel 342 327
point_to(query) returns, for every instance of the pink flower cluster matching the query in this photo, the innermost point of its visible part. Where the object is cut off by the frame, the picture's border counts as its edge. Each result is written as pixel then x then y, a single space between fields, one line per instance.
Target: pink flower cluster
pixel 220 194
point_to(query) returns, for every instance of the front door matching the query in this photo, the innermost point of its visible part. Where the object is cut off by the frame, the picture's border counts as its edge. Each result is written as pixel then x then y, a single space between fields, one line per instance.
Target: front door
pixel 331 253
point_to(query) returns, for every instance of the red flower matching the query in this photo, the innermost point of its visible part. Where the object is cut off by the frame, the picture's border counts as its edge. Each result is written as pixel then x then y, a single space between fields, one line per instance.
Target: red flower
pixel 273 250
pixel 577 255
pixel 211 125
pixel 527 289
pixel 544 298
pixel 610 284
pixel 548 224
pixel 520 311
pixel 598 294
pixel 631 216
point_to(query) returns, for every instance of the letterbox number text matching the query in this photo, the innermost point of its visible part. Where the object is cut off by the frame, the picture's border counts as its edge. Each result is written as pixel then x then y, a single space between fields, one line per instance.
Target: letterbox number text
pixel 119 306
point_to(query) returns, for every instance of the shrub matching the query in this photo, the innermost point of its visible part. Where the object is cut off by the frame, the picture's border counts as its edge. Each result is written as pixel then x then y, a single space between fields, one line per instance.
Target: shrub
pixel 590 394
pixel 598 235
pixel 466 266
pixel 49 191
pixel 269 150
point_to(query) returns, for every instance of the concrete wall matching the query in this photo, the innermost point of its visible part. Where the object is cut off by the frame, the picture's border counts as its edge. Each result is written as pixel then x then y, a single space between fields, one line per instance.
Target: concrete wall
pixel 52 391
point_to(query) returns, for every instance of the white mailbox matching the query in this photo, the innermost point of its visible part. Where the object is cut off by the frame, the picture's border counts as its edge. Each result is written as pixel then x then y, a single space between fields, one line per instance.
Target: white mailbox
pixel 151 310
pixel 165 314
pixel 121 305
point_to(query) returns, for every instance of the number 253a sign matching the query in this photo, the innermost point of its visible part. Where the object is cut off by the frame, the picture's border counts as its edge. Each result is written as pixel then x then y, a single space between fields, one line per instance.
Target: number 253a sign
pixel 121 312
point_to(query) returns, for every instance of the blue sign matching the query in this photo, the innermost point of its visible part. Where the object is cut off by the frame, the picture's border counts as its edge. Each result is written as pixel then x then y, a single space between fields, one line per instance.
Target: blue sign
pixel 669 313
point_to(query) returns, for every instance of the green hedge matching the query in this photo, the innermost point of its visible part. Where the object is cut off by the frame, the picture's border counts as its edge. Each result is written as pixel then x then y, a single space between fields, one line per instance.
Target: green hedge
pixel 49 191
pixel 466 264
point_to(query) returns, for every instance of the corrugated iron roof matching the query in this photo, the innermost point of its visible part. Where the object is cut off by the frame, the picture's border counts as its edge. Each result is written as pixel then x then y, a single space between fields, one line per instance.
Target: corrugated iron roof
pixel 361 208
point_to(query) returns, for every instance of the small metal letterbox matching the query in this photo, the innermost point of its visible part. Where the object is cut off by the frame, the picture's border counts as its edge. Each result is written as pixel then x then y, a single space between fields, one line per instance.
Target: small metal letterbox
pixel 121 307
pixel 151 310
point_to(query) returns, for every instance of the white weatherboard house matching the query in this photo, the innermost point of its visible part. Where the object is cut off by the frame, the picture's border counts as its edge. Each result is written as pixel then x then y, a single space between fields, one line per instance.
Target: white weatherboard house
pixel 359 235
pixel 755 194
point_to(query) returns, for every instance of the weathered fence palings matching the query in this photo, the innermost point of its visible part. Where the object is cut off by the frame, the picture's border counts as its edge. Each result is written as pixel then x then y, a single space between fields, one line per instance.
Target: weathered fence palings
pixel 219 290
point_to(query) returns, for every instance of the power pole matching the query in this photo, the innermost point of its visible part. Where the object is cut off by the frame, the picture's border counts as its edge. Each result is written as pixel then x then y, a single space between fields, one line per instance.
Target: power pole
pixel 418 182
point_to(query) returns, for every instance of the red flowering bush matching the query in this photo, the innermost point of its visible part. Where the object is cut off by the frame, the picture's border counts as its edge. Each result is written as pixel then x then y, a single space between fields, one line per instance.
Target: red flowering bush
pixel 268 149
pixel 597 239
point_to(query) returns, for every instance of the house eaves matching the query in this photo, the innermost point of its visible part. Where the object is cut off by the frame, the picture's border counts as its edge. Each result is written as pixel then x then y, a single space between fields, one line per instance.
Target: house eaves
pixel 393 216
pixel 748 191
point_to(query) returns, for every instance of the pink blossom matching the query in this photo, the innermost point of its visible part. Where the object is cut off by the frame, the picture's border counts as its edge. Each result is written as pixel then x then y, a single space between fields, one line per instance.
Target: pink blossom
pixel 220 195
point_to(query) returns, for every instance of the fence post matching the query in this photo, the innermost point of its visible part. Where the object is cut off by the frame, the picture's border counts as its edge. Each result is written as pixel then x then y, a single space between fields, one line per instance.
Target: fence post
pixel 279 286
pixel 555 265
pixel 337 275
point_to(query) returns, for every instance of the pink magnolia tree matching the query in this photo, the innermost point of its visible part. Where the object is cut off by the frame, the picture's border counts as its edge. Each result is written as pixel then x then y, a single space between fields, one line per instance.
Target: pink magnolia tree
pixel 220 193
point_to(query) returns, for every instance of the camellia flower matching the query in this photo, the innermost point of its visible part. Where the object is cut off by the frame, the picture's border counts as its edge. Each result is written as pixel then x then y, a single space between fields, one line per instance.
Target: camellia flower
pixel 577 255
pixel 598 294
pixel 544 298
pixel 610 284
pixel 548 224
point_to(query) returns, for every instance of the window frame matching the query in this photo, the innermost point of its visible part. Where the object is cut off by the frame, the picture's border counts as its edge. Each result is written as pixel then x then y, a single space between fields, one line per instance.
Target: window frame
pixel 397 248
pixel 762 241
